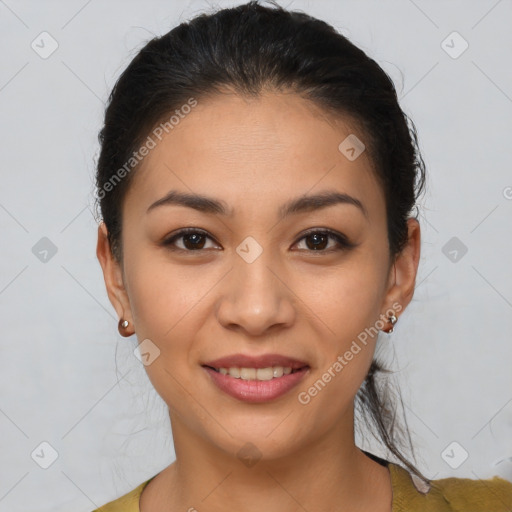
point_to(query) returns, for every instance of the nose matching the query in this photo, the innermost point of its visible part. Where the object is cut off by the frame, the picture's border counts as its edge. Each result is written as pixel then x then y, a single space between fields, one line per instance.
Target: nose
pixel 256 297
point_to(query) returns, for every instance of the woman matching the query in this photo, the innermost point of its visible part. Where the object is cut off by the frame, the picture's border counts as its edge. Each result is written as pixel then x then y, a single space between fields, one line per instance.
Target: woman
pixel 256 182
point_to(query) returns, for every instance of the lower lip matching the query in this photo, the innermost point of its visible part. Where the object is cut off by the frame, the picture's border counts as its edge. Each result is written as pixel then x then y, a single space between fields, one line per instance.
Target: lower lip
pixel 256 391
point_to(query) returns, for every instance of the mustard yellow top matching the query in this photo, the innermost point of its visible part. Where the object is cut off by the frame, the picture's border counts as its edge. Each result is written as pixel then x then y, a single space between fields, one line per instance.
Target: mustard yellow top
pixel 409 495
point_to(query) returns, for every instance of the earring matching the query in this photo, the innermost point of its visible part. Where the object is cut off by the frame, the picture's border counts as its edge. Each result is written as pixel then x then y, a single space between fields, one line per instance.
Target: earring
pixel 122 325
pixel 392 319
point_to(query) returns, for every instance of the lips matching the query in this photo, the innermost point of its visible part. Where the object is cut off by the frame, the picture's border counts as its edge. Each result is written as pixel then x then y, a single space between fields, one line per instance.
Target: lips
pixel 256 379
pixel 256 391
pixel 263 361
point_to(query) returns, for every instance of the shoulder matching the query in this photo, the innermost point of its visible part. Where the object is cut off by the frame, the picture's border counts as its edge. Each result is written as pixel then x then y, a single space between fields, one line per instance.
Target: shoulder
pixel 480 495
pixel 449 494
pixel 129 502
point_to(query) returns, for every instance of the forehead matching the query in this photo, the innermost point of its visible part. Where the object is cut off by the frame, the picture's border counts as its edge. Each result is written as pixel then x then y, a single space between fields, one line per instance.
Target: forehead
pixel 247 151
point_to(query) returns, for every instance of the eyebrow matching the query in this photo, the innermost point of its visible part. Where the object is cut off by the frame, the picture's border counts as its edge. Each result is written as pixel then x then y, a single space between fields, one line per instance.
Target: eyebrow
pixel 302 204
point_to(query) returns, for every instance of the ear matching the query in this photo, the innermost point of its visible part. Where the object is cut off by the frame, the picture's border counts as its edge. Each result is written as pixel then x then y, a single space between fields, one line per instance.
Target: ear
pixel 402 275
pixel 113 276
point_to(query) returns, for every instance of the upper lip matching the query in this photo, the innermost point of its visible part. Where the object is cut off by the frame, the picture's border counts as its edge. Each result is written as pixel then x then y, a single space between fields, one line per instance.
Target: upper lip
pixel 263 361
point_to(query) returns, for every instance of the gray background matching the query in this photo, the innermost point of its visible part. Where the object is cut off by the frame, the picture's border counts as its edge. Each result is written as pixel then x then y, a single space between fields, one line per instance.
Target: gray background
pixel 66 376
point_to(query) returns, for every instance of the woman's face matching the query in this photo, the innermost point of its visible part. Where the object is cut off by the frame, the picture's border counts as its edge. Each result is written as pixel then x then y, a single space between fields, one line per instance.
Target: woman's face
pixel 253 279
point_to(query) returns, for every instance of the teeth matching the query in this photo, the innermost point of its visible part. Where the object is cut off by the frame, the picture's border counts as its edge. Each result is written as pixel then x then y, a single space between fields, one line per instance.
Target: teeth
pixel 246 373
pixel 234 372
pixel 256 373
pixel 278 371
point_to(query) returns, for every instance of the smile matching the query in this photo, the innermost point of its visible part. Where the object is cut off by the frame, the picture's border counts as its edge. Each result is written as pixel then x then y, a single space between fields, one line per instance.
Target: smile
pixel 272 372
pixel 256 385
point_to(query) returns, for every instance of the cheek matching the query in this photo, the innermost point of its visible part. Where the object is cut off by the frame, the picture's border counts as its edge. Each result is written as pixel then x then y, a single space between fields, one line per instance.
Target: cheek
pixel 345 350
pixel 162 295
pixel 346 299
pixel 170 305
pixel 347 305
pixel 164 301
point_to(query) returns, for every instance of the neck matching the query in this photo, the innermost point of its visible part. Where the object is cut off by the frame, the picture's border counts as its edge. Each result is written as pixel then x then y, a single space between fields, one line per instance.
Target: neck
pixel 330 473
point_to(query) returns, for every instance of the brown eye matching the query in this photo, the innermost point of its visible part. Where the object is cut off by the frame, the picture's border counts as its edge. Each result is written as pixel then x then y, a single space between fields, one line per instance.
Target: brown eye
pixel 319 241
pixel 192 240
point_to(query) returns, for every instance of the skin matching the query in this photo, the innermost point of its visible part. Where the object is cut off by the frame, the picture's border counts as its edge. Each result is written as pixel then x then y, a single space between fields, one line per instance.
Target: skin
pixel 196 306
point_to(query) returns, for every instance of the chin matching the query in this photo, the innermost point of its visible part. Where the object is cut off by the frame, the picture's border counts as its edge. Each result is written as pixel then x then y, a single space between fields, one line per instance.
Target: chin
pixel 257 444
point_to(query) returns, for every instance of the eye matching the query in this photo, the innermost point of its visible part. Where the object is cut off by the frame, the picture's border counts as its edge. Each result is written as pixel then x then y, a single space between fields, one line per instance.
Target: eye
pixel 193 240
pixel 319 239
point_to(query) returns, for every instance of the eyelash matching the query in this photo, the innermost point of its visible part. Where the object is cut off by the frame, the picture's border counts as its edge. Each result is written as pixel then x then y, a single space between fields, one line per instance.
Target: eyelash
pixel 343 243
